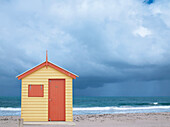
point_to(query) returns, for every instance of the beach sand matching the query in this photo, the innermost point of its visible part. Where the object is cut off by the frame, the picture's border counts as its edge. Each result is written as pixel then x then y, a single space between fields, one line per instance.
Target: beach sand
pixel 104 120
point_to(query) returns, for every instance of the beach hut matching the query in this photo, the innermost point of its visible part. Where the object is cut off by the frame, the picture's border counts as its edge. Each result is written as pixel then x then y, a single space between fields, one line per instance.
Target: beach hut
pixel 47 93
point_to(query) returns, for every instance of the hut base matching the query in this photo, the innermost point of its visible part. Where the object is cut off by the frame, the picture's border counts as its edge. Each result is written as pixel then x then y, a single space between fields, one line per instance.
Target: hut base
pixel 49 123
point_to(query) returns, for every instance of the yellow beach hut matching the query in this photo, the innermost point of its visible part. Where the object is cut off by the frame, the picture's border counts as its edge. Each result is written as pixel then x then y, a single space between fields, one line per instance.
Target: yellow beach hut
pixel 47 93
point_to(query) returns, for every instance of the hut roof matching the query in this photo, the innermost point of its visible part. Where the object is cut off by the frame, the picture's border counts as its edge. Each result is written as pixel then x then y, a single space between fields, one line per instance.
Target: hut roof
pixel 47 63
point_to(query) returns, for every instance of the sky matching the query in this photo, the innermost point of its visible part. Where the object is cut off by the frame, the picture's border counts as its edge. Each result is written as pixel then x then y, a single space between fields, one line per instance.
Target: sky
pixel 117 47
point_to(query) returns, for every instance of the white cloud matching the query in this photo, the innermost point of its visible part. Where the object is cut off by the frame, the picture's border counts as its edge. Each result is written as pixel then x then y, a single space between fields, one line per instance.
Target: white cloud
pixel 142 31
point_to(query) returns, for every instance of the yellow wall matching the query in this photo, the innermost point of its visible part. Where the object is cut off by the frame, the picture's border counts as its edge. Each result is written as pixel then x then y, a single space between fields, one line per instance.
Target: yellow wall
pixel 36 108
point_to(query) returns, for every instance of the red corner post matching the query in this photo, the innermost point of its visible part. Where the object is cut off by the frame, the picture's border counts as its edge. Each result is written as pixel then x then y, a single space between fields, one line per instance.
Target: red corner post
pixel 46 63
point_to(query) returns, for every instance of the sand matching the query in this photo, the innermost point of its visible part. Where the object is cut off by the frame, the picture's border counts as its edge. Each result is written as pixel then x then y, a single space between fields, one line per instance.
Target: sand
pixel 9 121
pixel 105 120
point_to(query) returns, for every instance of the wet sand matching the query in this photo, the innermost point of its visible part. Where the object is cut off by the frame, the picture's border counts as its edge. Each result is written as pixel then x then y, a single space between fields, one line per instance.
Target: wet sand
pixel 104 120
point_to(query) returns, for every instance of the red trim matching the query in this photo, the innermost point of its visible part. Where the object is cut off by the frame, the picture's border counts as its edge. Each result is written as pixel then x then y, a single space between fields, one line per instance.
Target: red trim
pixel 31 71
pixel 62 70
pixel 49 64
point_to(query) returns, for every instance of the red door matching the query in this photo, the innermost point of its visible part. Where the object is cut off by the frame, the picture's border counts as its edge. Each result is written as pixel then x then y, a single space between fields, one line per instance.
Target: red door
pixel 56 107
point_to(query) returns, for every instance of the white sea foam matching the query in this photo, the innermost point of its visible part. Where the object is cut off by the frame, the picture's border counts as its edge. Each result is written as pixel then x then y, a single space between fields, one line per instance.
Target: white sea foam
pixel 10 109
pixel 155 103
pixel 92 108
pixel 120 108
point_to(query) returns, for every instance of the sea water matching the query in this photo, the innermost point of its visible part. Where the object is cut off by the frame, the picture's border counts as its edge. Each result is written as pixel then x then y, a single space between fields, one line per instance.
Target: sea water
pixel 99 105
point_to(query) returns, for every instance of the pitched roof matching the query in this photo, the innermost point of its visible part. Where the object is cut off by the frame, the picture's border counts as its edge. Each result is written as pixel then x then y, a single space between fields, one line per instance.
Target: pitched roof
pixel 47 63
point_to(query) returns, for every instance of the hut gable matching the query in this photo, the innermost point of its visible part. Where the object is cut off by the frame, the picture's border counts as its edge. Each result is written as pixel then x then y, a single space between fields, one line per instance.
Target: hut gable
pixel 48 73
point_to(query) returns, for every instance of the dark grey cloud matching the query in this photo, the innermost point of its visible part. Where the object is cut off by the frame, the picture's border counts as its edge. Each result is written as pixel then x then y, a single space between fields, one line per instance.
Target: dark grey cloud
pixel 126 74
pixel 113 45
pixel 132 88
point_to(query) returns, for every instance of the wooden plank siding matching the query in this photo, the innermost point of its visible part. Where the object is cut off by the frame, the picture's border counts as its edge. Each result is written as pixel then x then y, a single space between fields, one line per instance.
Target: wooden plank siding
pixel 36 108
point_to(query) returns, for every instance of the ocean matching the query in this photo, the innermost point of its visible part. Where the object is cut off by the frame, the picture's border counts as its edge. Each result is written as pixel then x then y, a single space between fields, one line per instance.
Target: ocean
pixel 99 105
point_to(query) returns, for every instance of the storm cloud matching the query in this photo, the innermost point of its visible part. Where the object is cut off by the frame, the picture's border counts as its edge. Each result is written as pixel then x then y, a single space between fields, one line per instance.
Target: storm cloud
pixel 116 47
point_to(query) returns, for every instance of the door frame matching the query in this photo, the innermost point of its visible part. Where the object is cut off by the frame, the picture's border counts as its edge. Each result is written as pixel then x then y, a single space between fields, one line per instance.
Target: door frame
pixel 49 97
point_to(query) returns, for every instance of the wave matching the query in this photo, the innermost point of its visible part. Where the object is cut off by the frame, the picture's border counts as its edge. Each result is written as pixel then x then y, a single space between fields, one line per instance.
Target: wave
pixel 120 108
pixel 155 103
pixel 92 108
pixel 143 104
pixel 10 109
pixel 100 108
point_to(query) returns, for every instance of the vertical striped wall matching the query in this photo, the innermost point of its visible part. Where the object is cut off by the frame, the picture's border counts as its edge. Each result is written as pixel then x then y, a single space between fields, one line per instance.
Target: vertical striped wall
pixel 36 108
